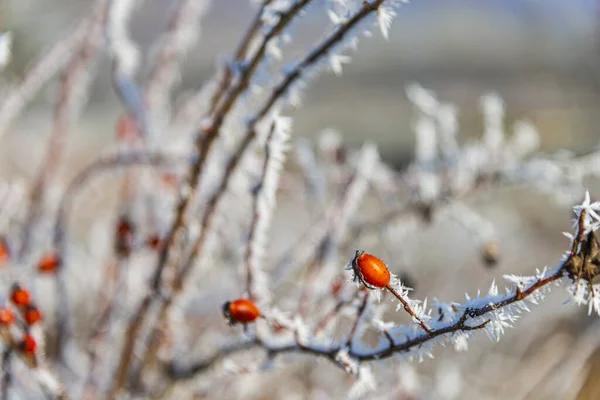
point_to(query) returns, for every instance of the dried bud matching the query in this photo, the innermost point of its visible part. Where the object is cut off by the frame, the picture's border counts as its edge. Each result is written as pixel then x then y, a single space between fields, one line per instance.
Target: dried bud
pixel 490 252
pixel 154 241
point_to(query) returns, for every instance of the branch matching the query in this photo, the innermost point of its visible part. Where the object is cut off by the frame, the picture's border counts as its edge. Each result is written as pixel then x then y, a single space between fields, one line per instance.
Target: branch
pixel 74 84
pixel 461 324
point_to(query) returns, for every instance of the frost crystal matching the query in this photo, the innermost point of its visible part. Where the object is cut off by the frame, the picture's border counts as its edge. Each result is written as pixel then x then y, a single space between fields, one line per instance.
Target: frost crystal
pixel 364 384
pixel 349 364
pixel 385 15
pixel 5 48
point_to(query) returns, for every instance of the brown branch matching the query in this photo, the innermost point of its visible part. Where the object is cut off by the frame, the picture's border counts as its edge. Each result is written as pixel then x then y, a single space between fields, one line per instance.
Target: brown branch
pixel 316 55
pixel 203 145
pixel 74 82
pixel 206 139
pixel 171 52
pixel 6 373
pixel 322 324
pixel 407 308
pixel 65 207
pixel 37 76
pixel 359 315
pixel 239 56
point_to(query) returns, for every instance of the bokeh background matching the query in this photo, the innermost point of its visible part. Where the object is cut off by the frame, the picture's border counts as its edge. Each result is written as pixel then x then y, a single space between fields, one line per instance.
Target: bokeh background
pixel 541 56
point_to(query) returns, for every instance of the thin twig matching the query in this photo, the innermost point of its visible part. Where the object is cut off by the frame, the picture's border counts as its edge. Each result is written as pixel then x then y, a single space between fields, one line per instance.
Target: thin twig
pixel 460 324
pixel 43 70
pixel 74 83
pixel 248 254
pixel 6 372
pixel 408 309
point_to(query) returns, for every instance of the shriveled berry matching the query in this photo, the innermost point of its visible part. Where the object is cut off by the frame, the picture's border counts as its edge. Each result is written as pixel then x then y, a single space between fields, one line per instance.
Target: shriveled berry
pixel 7 317
pixel 124 236
pixel 20 297
pixel 32 314
pixel 240 310
pixel 28 345
pixel 154 241
pixel 370 270
pixel 49 263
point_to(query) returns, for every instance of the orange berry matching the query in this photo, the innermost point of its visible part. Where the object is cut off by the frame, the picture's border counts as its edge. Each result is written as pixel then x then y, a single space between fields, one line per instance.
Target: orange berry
pixel 4 251
pixel 49 263
pixel 32 314
pixel 28 345
pixel 7 317
pixel 20 296
pixel 370 270
pixel 240 310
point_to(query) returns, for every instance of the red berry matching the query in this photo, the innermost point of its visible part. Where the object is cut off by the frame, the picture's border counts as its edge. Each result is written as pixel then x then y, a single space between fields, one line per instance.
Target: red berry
pixel 370 270
pixel 32 314
pixel 127 129
pixel 7 317
pixel 20 296
pixel 28 344
pixel 154 241
pixel 49 263
pixel 170 180
pixel 240 310
pixel 4 251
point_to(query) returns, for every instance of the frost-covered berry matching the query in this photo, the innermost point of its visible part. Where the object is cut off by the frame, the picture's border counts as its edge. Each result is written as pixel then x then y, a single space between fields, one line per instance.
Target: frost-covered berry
pixel 370 270
pixel 240 310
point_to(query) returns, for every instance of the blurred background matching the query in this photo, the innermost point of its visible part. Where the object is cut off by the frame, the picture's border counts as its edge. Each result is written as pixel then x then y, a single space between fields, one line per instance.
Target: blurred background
pixel 541 56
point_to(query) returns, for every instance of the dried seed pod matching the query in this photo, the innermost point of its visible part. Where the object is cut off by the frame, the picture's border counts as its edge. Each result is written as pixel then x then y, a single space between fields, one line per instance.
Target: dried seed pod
pixel 490 252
